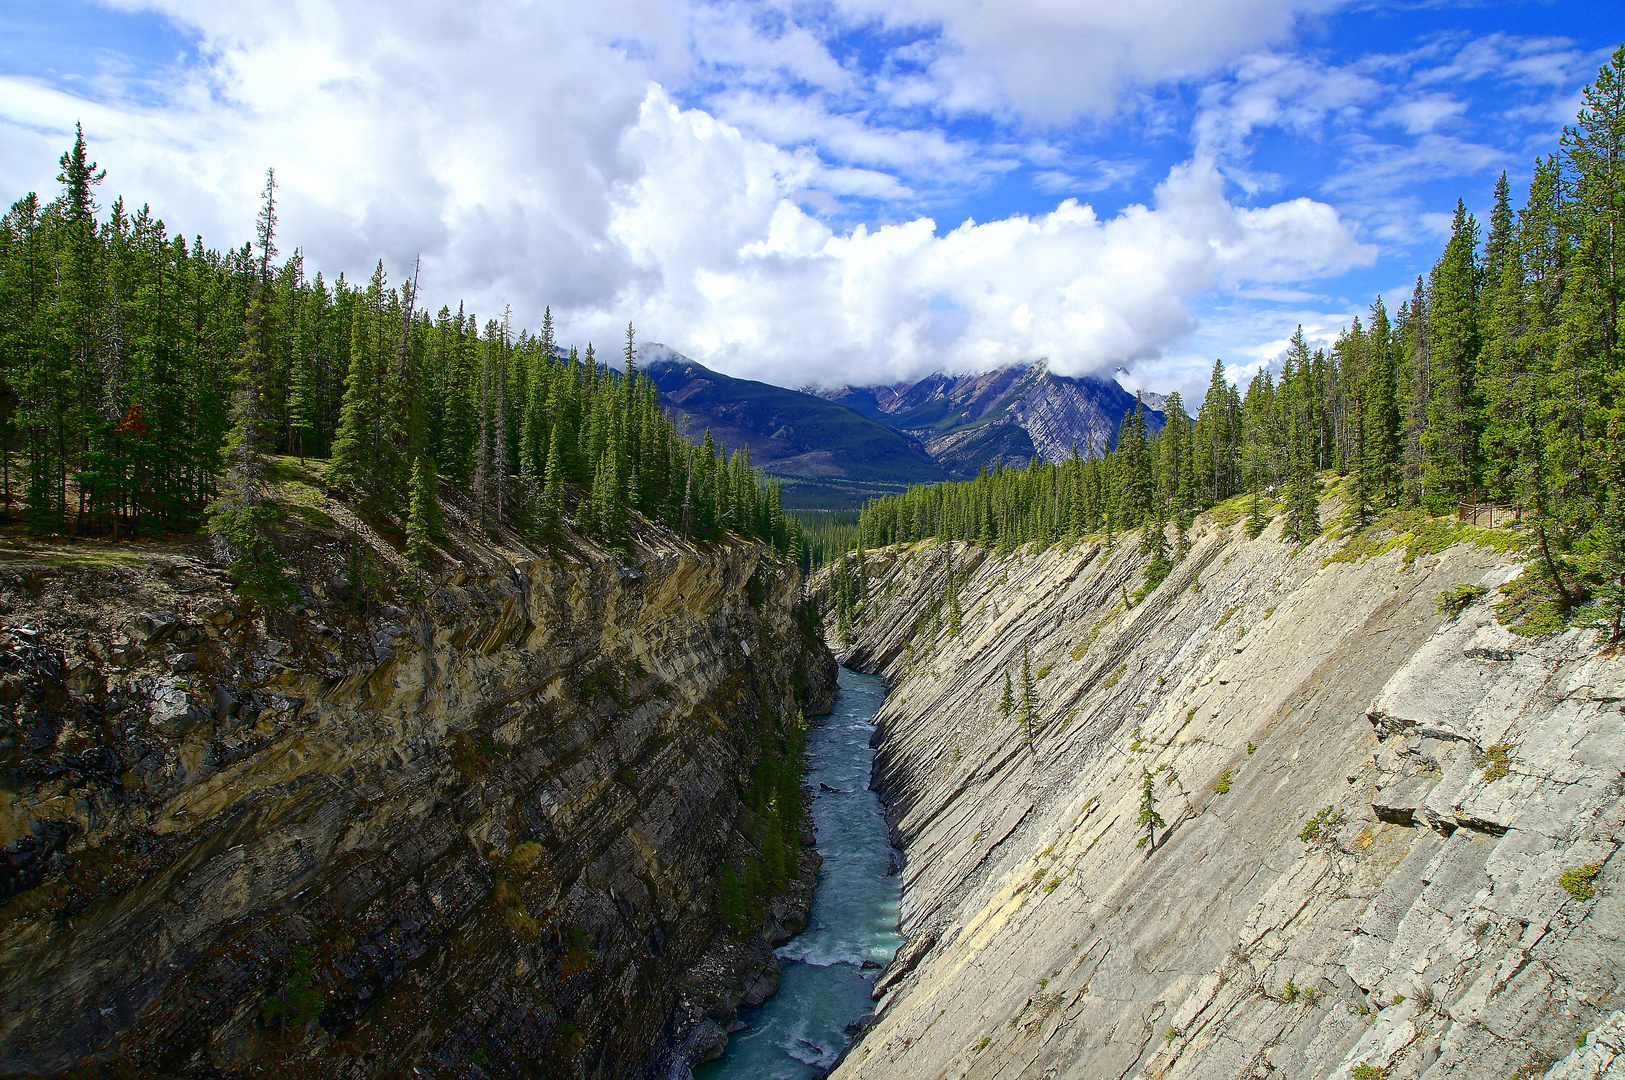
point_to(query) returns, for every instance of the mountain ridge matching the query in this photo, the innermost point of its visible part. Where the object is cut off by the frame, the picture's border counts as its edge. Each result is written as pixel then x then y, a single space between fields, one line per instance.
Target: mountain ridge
pixel 834 448
pixel 1005 416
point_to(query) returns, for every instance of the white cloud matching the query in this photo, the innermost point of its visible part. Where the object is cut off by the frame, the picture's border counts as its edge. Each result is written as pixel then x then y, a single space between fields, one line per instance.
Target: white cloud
pixel 1273 91
pixel 1425 112
pixel 531 155
pixel 754 284
pixel 1052 61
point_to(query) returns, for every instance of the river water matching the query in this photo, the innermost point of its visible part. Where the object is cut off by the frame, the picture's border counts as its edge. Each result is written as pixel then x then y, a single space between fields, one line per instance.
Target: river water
pixel 801 1030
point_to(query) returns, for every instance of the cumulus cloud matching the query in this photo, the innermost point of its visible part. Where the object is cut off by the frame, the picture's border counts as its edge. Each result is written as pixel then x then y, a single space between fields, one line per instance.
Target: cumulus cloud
pixel 756 284
pixel 532 155
pixel 1053 61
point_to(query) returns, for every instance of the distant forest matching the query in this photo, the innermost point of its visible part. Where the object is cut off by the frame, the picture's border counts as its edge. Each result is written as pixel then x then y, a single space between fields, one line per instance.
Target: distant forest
pixel 144 380
pixel 1500 380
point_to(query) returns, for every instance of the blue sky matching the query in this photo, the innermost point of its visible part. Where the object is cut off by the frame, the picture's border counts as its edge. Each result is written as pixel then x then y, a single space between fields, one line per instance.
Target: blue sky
pixel 840 191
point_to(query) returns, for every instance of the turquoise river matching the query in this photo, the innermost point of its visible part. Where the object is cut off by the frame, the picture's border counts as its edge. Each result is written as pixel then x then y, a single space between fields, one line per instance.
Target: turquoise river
pixel 800 1031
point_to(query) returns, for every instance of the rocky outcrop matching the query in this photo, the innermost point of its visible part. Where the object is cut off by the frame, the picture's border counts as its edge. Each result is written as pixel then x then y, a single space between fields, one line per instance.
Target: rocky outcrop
pixel 1280 816
pixel 475 833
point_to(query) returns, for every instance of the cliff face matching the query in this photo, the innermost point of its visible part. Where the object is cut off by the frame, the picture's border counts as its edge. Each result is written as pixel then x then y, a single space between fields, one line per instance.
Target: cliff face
pixel 481 830
pixel 1364 813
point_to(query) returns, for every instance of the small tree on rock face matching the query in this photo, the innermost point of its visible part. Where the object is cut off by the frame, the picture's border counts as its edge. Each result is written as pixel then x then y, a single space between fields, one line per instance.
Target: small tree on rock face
pixel 423 521
pixel 1029 697
pixel 1007 704
pixel 1148 816
pixel 1303 503
pixel 1257 520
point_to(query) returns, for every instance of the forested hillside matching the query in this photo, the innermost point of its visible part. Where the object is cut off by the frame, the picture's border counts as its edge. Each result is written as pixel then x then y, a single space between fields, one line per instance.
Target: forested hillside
pixel 143 379
pixel 1499 380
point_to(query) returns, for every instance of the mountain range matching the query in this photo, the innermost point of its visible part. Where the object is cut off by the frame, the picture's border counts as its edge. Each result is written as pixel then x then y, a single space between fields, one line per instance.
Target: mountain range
pixel 835 448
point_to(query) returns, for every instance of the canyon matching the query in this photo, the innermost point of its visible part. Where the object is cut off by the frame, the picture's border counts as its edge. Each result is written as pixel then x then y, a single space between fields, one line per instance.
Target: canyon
pixel 1293 812
pixel 469 823
pixel 1301 811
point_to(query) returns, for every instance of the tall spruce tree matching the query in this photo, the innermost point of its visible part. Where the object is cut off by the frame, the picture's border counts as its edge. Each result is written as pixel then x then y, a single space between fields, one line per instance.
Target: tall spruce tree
pixel 1450 441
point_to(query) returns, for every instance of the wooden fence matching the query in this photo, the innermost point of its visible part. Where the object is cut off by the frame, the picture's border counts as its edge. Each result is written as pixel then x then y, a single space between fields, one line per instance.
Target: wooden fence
pixel 1492 515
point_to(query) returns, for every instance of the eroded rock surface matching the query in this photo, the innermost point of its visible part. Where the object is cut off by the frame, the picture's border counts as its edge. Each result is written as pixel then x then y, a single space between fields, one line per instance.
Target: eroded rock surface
pixel 478 834
pixel 1367 811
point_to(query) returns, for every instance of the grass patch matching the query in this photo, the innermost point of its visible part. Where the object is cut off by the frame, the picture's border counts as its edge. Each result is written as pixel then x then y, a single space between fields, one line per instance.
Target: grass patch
pixel 306 502
pixel 1494 762
pixel 1323 825
pixel 1045 670
pixel 1081 649
pixel 1226 617
pixel 1222 784
pixel 1238 507
pixel 518 920
pixel 280 468
pixel 1419 534
pixel 1529 607
pixel 1577 882
pixel 524 858
pixel 1452 602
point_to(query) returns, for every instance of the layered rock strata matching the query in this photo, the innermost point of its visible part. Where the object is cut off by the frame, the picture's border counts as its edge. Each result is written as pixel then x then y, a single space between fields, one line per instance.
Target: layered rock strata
pixel 1282 816
pixel 479 834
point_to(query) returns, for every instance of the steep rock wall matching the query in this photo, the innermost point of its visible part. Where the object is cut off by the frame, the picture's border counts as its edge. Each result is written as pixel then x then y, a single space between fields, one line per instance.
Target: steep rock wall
pixel 479 832
pixel 1368 808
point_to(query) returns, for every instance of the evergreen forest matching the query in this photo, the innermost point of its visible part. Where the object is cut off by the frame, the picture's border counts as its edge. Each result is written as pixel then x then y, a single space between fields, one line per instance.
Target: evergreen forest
pixel 1500 380
pixel 145 380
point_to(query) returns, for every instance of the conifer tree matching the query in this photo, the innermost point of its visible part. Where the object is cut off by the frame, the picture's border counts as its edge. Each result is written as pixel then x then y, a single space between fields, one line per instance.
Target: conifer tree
pixel 1148 818
pixel 240 519
pixel 1416 379
pixel 552 499
pixel 1257 520
pixel 1450 440
pixel 1381 443
pixel 423 520
pixel 1029 697
pixel 1602 552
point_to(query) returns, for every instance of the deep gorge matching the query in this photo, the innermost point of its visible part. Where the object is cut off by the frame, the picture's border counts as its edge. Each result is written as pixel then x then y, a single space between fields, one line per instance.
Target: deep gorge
pixel 478 831
pixel 1286 814
pixel 493 827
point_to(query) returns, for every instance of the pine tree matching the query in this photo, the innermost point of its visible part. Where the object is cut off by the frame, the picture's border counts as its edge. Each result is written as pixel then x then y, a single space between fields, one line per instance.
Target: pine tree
pixel 1148 818
pixel 1154 542
pixel 1381 442
pixel 1257 520
pixel 1450 441
pixel 1602 553
pixel 353 459
pixel 552 501
pixel 241 521
pixel 1029 697
pixel 1007 703
pixel 423 521
pixel 1416 380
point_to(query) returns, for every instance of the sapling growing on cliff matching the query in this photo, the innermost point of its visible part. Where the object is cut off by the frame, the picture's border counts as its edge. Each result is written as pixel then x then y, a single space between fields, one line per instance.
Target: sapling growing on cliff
pixel 298 1001
pixel 1029 698
pixel 1148 816
pixel 1007 704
